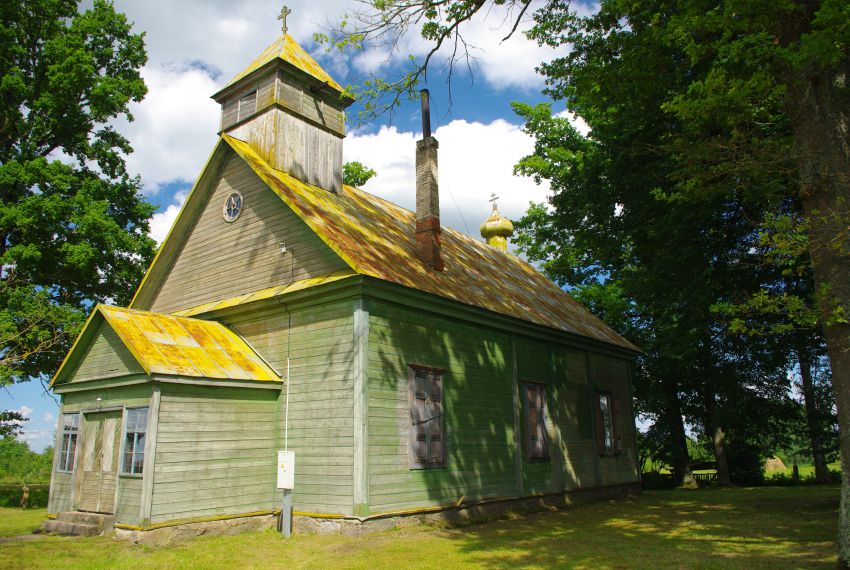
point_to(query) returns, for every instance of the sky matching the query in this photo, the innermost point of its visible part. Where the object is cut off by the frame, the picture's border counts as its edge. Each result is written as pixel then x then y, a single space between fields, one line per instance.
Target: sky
pixel 196 46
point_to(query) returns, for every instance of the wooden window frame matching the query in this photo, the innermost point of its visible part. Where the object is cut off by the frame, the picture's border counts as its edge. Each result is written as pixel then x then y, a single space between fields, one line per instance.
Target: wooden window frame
pixel 530 455
pixel 432 374
pixel 243 101
pixel 68 454
pixel 615 434
pixel 135 451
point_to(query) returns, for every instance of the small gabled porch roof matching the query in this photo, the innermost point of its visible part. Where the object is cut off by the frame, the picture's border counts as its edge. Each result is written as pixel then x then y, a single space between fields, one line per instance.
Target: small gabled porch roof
pixel 172 345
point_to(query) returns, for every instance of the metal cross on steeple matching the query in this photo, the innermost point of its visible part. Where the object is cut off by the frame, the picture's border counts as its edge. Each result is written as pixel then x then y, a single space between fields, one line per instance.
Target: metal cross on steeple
pixel 284 12
pixel 493 199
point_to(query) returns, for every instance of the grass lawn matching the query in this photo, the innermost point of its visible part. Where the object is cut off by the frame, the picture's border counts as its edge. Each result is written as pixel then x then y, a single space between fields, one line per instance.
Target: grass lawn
pixel 19 521
pixel 770 527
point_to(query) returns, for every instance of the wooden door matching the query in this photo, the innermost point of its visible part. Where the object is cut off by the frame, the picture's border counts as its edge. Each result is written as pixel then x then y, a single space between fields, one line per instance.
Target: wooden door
pixel 99 462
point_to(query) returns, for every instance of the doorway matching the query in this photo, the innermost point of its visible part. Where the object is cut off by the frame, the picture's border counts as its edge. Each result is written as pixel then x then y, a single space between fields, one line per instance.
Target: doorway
pixel 98 470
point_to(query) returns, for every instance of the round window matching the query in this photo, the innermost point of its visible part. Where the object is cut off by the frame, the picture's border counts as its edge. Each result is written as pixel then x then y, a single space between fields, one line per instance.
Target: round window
pixel 232 207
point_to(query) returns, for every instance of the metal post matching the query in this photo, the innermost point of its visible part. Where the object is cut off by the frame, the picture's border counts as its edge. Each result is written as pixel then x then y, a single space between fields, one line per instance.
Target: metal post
pixel 426 115
pixel 286 514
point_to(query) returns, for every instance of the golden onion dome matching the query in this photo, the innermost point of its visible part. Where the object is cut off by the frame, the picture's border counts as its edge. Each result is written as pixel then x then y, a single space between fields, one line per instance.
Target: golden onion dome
pixel 497 229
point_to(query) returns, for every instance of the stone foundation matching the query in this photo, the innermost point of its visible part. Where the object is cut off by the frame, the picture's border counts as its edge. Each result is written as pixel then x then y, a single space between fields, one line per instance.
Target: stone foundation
pixel 188 531
pixel 352 526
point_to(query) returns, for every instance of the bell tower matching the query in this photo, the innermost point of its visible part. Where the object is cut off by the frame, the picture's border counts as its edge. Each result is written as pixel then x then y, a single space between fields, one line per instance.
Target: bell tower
pixel 290 111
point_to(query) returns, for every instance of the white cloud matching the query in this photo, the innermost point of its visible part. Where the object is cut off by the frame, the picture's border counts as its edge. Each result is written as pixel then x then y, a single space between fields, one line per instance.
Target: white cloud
pixel 161 222
pixel 175 126
pixel 475 161
pixel 47 417
pixel 25 411
pixel 38 439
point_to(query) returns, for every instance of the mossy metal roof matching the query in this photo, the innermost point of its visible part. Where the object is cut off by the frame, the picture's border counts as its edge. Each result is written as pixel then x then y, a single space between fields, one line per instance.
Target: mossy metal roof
pixel 287 49
pixel 178 346
pixel 377 238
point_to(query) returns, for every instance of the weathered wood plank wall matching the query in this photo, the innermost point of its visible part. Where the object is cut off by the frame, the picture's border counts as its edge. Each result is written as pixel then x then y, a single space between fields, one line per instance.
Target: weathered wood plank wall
pixel 214 452
pixel 220 260
pixel 62 484
pixel 106 357
pixel 478 407
pixel 319 341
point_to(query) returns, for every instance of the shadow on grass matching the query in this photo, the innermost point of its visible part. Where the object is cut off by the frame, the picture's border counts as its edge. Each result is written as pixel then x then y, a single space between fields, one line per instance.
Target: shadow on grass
pixel 745 528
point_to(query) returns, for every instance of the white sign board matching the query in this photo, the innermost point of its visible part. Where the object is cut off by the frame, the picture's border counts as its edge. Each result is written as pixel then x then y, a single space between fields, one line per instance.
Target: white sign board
pixel 285 469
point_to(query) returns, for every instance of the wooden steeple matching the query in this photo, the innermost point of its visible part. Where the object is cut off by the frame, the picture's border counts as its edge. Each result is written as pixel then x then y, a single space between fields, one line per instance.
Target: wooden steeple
pixel 290 111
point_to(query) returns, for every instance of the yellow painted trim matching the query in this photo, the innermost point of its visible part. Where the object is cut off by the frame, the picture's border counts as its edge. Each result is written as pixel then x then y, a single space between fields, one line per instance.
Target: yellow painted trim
pixel 196 520
pixel 174 225
pixel 76 341
pixel 321 515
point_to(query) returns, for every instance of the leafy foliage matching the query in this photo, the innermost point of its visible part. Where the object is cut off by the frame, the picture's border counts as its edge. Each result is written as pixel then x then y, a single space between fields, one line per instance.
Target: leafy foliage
pixel 11 422
pixel 18 463
pixel 356 174
pixel 73 229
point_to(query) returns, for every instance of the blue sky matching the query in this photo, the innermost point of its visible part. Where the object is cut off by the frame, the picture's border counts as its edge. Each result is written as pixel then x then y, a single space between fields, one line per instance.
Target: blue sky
pixel 196 46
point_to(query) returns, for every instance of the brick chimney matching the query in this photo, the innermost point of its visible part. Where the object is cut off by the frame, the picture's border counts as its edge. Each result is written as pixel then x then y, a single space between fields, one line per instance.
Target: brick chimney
pixel 428 248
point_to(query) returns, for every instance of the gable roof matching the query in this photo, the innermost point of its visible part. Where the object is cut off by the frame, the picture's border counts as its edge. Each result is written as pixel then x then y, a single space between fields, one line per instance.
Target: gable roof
pixel 377 238
pixel 179 346
pixel 287 49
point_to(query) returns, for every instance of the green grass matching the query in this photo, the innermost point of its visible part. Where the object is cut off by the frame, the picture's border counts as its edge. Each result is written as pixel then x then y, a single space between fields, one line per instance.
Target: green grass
pixel 14 522
pixel 805 469
pixel 770 527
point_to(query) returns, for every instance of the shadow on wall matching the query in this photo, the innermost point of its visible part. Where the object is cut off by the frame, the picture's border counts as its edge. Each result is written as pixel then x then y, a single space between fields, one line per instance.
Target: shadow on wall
pixel 477 407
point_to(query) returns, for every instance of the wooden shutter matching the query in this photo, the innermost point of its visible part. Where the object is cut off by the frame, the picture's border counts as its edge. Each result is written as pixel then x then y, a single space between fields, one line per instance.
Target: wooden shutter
pixel 616 426
pixel 435 419
pixel 535 421
pixel 600 423
pixel 418 415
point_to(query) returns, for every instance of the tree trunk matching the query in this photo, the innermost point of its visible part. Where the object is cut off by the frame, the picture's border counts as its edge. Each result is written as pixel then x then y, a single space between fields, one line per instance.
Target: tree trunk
pixel 812 422
pixel 718 439
pixel 679 447
pixel 819 117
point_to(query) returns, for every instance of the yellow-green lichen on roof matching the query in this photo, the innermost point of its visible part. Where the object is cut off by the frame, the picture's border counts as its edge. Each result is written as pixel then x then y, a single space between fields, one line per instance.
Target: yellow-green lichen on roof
pixel 377 238
pixel 179 346
pixel 290 51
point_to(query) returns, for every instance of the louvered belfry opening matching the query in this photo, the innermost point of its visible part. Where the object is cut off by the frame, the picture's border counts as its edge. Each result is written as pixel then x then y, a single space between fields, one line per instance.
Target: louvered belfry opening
pixel 428 247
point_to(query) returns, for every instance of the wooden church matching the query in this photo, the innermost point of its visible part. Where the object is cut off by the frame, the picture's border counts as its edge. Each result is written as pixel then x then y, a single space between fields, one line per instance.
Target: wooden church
pixel 411 368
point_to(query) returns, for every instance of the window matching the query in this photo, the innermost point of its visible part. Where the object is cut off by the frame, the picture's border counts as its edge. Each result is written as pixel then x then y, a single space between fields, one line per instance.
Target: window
pixel 609 440
pixel 232 207
pixel 247 105
pixel 70 432
pixel 427 443
pixel 135 427
pixel 536 444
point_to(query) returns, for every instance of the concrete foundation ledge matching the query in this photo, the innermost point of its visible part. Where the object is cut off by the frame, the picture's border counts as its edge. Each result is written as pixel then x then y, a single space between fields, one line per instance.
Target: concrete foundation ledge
pixel 312 523
pixel 183 532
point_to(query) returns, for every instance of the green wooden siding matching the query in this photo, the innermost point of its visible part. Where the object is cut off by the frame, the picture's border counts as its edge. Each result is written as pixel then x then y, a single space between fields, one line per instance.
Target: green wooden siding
pixel 478 408
pixel 321 398
pixel 105 357
pixel 219 260
pixel 215 452
pixel 613 375
pixel 62 490
pixel 534 364
pixel 575 418
pixel 129 500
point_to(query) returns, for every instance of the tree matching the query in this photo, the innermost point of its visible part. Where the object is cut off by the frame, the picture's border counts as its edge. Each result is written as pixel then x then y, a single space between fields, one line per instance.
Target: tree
pixel 356 174
pixel 11 422
pixel 73 228
pixel 751 56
